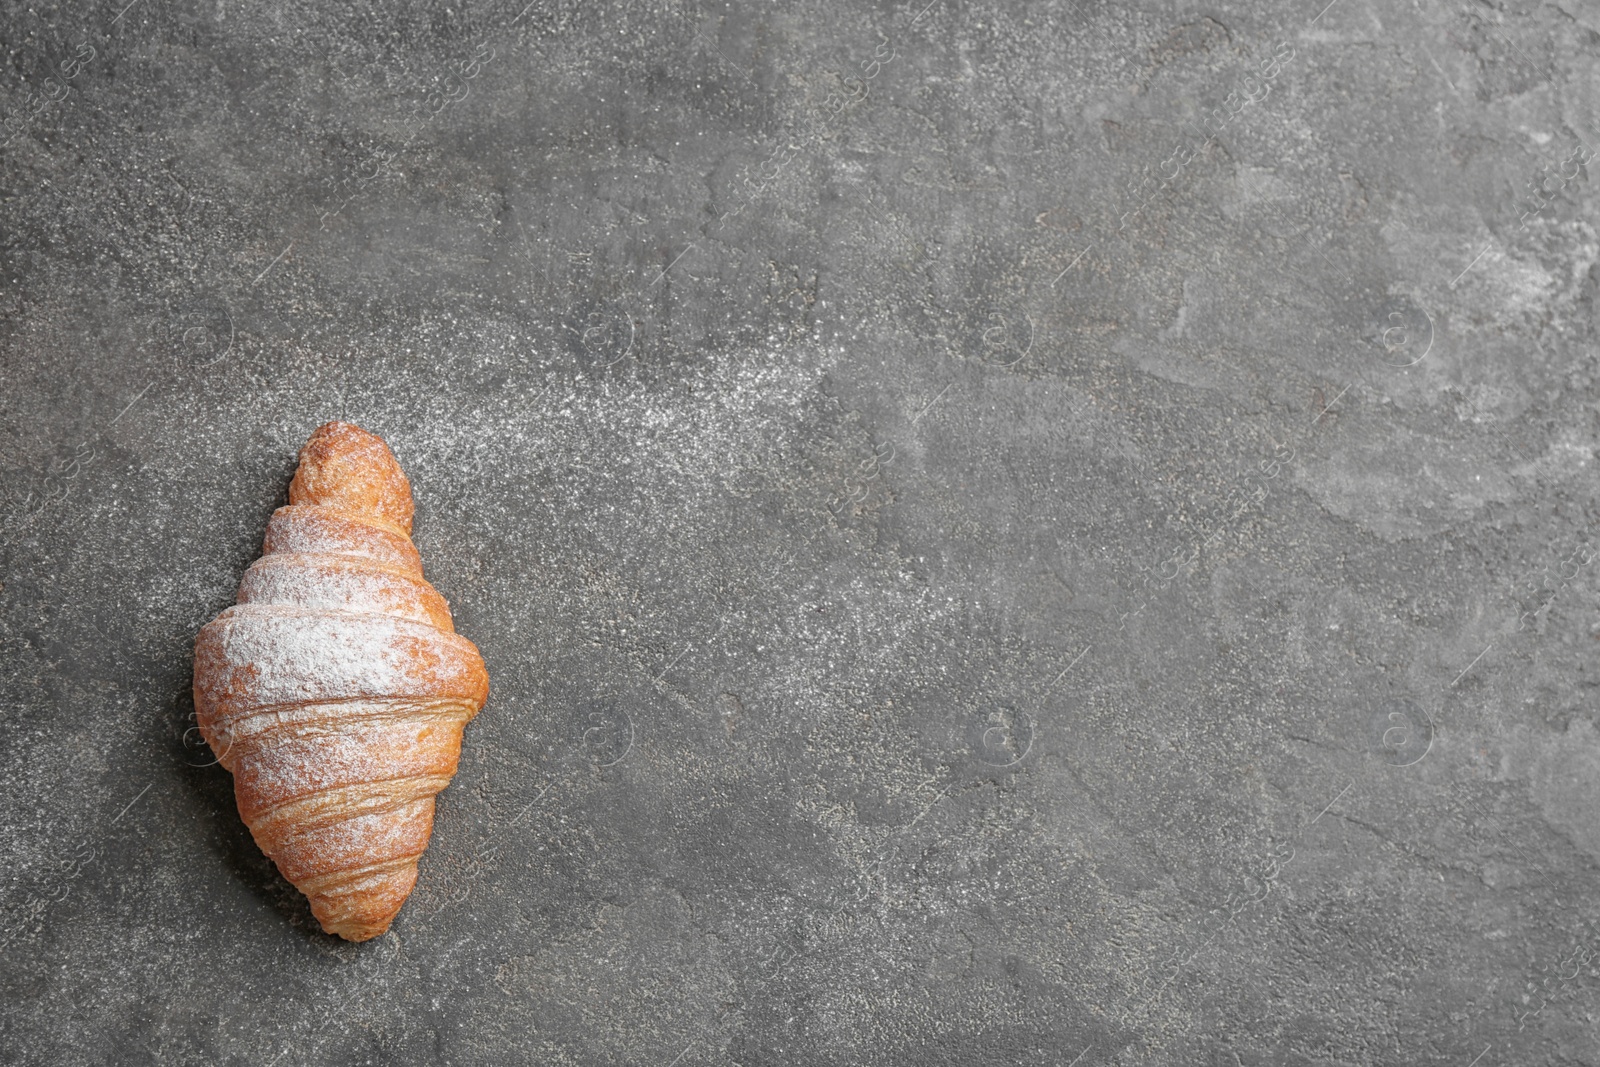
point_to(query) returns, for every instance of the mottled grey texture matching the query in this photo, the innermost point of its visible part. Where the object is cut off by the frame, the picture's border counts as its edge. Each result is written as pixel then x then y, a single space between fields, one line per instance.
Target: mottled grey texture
pixel 948 599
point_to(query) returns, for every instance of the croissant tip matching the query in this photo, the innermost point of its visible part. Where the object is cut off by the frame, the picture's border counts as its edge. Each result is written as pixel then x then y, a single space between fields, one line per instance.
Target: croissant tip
pixel 340 428
pixel 358 928
pixel 357 934
pixel 362 907
pixel 350 469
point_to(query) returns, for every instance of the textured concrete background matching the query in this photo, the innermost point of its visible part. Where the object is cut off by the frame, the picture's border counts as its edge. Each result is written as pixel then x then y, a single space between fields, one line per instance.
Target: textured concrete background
pixel 1017 532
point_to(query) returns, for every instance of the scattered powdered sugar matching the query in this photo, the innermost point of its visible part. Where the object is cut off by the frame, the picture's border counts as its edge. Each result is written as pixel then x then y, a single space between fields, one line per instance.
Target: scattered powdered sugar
pixel 345 583
pixel 314 528
pixel 278 654
pixel 256 656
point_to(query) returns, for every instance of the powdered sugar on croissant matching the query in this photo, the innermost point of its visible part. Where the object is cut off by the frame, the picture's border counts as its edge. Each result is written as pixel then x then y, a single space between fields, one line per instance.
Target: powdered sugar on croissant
pixel 336 689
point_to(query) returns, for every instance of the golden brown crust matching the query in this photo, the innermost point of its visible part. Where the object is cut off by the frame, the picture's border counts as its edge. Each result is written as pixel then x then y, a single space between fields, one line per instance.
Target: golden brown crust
pixel 313 528
pixel 343 583
pixel 336 689
pixel 254 655
pixel 345 468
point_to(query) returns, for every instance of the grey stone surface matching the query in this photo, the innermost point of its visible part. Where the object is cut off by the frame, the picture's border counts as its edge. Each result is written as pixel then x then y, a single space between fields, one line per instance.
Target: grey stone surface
pixel 1020 532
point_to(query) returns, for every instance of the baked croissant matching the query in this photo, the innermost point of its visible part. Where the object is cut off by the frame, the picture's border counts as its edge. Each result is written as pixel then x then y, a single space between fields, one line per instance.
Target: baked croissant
pixel 336 689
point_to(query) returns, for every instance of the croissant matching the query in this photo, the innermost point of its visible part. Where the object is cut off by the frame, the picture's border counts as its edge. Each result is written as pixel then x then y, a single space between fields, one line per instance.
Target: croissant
pixel 336 689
